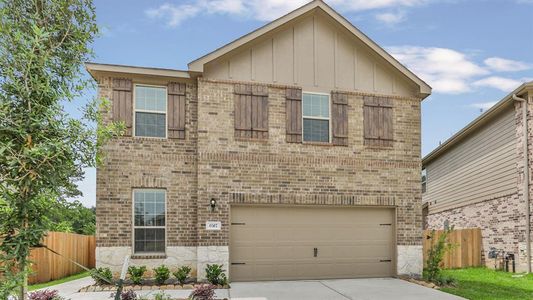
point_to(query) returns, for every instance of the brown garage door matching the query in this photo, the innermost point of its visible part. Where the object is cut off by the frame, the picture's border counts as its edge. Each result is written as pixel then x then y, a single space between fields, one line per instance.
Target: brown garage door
pixel 281 243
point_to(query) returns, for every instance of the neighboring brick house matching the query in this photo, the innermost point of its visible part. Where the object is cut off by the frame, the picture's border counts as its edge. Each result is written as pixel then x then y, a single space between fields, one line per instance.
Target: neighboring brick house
pixel 292 152
pixel 476 178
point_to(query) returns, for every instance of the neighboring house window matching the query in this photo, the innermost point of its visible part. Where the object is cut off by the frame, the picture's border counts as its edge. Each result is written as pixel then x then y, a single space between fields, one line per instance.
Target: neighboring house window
pixel 424 180
pixel 149 221
pixel 316 118
pixel 150 111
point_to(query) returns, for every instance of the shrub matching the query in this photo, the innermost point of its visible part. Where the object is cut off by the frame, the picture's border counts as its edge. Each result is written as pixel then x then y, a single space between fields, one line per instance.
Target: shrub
pixel 442 280
pixel 182 274
pixel 127 295
pixel 136 273
pixel 203 292
pixel 102 276
pixel 162 296
pixel 161 274
pixel 432 271
pixel 45 295
pixel 215 274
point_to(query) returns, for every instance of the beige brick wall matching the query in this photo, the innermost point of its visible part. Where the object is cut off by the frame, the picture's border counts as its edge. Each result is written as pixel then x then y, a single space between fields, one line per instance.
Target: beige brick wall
pixel 210 163
pixel 276 172
pixel 133 162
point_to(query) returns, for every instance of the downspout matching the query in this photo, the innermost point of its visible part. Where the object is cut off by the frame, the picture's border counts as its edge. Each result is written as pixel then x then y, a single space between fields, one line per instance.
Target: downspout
pixel 526 179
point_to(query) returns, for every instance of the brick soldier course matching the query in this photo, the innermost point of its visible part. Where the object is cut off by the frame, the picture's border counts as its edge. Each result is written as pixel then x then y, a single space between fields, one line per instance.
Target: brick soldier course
pixel 214 160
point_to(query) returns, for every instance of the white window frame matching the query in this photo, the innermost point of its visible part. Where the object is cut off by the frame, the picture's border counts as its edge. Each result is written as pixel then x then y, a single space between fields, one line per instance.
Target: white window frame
pixel 317 118
pixel 149 227
pixel 424 180
pixel 135 110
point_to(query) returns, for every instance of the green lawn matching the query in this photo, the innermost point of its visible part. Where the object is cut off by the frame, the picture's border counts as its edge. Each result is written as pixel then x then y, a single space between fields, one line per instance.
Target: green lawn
pixel 486 284
pixel 62 280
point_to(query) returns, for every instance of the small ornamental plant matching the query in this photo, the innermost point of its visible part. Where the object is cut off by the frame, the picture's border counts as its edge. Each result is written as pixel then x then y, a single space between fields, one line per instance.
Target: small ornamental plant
pixel 435 254
pixel 203 292
pixel 127 295
pixel 45 295
pixel 136 274
pixel 102 276
pixel 162 273
pixel 182 274
pixel 215 274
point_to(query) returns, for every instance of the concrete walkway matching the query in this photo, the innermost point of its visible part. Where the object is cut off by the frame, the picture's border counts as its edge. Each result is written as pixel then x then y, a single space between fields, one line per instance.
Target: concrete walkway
pixel 340 289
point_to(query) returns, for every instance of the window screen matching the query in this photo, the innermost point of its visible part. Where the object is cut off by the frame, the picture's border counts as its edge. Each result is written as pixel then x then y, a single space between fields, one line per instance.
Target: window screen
pixel 315 117
pixel 149 221
pixel 150 111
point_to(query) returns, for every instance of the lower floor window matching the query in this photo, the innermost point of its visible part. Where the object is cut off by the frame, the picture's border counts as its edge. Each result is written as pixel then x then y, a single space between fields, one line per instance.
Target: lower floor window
pixel 149 221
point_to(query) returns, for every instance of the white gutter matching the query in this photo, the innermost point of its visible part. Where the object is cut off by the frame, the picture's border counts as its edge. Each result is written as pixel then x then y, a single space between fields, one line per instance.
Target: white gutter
pixel 526 178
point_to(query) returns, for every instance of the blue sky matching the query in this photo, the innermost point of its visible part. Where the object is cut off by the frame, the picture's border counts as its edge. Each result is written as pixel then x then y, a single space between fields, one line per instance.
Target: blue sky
pixel 472 52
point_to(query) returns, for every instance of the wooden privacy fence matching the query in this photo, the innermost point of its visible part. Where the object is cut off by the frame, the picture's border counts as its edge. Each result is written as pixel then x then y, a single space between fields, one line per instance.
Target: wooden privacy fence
pixel 467 248
pixel 50 266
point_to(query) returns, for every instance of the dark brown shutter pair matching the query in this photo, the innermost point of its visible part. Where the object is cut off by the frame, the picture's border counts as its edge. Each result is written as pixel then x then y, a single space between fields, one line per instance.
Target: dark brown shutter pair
pixel 339 118
pixel 123 103
pixel 339 122
pixel 176 110
pixel 377 115
pixel 251 111
pixel 123 107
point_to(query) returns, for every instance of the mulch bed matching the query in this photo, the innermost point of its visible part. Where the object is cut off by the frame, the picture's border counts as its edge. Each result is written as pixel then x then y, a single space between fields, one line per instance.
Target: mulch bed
pixel 430 285
pixel 144 287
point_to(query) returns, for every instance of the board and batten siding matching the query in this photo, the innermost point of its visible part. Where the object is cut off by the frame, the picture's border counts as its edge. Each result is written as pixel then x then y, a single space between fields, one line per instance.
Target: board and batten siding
pixel 315 53
pixel 481 167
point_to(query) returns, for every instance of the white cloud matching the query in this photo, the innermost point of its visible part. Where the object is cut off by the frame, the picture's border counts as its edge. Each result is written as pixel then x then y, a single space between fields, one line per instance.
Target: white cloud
pixel 505 65
pixel 391 18
pixel 500 83
pixel 483 105
pixel 267 10
pixel 446 70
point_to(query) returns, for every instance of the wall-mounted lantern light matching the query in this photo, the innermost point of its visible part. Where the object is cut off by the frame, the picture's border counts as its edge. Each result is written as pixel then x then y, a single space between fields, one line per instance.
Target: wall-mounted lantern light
pixel 213 204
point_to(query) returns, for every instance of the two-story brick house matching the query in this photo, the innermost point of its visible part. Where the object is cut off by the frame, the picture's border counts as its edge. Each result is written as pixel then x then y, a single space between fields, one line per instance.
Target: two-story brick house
pixel 292 152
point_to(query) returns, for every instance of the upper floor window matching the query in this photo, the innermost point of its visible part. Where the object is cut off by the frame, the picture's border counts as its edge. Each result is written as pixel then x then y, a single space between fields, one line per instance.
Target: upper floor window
pixel 316 117
pixel 424 180
pixel 150 111
pixel 149 221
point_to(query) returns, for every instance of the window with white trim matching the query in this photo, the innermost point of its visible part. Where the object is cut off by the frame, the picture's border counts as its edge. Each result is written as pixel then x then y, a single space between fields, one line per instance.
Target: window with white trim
pixel 150 111
pixel 316 117
pixel 149 215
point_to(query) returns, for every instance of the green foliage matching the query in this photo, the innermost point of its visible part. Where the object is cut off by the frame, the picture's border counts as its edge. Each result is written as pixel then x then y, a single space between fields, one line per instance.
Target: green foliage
pixel 182 274
pixel 162 273
pixel 215 274
pixel 68 216
pixel 432 271
pixel 161 296
pixel 136 273
pixel 43 150
pixel 102 276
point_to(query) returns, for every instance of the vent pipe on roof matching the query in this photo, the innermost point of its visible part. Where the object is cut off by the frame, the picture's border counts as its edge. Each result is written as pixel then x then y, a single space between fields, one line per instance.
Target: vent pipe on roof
pixel 526 178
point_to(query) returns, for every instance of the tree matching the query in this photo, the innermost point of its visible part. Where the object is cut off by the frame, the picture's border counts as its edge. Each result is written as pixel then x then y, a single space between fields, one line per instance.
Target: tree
pixel 69 216
pixel 43 150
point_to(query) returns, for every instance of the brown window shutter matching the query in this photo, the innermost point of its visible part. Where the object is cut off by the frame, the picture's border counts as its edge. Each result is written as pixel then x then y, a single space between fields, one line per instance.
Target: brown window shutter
pixel 339 112
pixel 123 103
pixel 293 117
pixel 176 110
pixel 251 111
pixel 378 122
pixel 260 111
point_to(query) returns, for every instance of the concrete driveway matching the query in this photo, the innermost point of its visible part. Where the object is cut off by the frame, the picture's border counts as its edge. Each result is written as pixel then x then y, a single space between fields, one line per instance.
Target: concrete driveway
pixel 339 289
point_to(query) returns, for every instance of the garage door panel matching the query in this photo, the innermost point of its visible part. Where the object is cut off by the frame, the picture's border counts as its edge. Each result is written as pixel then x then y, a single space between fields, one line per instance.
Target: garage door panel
pixel 277 243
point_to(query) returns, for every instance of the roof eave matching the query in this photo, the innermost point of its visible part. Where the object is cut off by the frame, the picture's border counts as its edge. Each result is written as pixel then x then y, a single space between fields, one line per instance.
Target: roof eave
pixel 96 68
